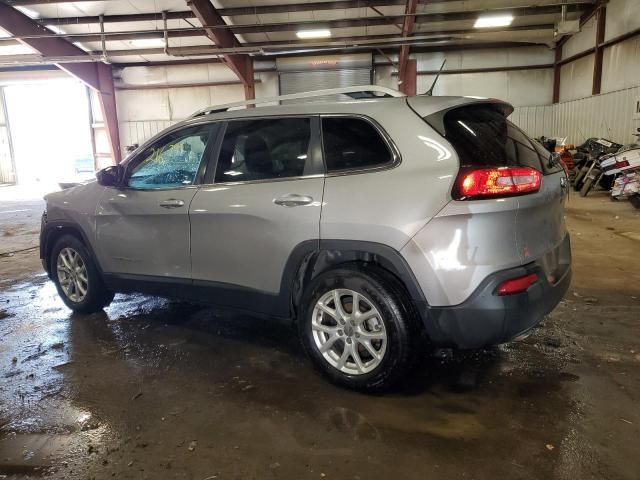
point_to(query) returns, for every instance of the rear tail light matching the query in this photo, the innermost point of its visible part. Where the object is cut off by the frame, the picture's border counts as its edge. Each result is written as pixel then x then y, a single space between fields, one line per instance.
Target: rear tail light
pixel 496 182
pixel 622 164
pixel 516 285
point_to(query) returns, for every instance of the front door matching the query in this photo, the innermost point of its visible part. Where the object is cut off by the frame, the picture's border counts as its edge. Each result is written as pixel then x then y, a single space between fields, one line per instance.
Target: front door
pixel 142 228
pixel 264 200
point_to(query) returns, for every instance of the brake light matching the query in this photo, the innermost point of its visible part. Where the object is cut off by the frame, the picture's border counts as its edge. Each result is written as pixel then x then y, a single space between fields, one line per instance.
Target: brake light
pixel 496 182
pixel 622 164
pixel 516 285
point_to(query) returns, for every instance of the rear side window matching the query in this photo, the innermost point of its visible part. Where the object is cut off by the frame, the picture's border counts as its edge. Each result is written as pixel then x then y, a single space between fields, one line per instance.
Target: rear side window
pixel 352 144
pixel 483 137
pixel 264 149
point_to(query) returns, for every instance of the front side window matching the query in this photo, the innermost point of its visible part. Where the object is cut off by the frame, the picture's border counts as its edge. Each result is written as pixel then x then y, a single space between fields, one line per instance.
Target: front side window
pixel 264 149
pixel 352 144
pixel 173 162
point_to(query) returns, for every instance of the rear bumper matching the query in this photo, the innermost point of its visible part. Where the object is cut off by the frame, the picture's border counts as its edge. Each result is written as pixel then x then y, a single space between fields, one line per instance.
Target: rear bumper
pixel 487 319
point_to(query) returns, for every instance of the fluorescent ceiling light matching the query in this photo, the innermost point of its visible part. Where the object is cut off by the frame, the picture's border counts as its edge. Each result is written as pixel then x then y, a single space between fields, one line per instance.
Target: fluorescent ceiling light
pixel 147 42
pixel 320 33
pixel 487 21
pixel 28 12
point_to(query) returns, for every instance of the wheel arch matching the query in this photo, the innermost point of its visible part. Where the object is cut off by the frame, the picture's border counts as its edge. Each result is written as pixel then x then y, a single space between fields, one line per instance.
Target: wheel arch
pixel 52 231
pixel 310 259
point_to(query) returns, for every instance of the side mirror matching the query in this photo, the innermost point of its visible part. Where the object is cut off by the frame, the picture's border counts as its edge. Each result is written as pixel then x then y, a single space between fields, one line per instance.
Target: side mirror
pixel 111 176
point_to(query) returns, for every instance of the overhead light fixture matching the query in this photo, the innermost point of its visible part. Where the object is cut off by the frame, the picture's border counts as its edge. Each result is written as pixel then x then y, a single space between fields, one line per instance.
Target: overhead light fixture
pixel 147 42
pixel 319 33
pixel 488 21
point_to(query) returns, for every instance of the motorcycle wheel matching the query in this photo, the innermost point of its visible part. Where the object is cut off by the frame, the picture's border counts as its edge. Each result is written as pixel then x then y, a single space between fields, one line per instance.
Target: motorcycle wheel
pixel 577 182
pixel 589 183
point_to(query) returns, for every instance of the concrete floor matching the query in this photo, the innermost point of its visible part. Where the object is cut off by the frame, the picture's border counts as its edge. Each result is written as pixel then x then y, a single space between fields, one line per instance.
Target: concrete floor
pixel 159 389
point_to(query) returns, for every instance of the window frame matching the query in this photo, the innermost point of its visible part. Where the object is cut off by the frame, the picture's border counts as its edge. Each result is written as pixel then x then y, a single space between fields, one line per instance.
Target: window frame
pixel 315 150
pixel 139 156
pixel 396 158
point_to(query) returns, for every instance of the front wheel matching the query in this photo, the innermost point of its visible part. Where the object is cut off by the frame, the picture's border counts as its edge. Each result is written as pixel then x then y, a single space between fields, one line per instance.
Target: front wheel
pixel 589 182
pixel 355 326
pixel 77 279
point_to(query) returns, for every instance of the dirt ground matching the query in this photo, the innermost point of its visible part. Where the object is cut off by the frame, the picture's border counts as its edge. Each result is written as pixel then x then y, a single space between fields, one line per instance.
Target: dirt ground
pixel 160 389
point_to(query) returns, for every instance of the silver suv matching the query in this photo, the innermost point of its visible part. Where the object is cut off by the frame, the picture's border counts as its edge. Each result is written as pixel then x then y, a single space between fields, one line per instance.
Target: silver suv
pixel 380 225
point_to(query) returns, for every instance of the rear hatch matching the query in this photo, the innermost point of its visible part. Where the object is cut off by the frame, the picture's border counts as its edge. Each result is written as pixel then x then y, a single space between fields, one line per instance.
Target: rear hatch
pixel 503 173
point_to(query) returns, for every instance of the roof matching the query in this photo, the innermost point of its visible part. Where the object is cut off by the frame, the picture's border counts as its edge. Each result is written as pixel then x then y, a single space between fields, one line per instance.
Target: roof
pixel 134 30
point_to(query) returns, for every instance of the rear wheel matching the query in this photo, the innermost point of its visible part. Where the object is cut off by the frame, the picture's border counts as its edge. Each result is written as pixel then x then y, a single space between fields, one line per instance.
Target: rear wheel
pixel 356 329
pixel 77 279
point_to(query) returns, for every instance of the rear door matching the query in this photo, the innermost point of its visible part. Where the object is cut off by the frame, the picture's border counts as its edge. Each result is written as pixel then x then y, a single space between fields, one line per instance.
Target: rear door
pixel 142 229
pixel 262 202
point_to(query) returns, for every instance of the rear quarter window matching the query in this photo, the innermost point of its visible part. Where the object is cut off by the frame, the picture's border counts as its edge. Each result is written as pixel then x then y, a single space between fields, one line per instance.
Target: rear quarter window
pixel 351 143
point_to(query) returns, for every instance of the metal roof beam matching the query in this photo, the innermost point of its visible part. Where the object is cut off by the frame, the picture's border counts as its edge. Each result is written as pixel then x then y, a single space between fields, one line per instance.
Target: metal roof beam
pixel 339 5
pixel 241 64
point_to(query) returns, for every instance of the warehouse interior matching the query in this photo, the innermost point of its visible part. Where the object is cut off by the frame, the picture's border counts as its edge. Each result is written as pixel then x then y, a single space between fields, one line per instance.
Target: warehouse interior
pixel 161 388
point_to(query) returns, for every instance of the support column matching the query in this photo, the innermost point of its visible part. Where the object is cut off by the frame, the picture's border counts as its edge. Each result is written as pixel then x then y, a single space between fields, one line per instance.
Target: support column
pixel 601 17
pixel 410 77
pixel 556 73
pixel 107 97
pixel 249 84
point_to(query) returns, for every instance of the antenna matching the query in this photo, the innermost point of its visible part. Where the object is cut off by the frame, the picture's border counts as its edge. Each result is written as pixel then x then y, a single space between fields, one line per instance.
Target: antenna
pixel 430 91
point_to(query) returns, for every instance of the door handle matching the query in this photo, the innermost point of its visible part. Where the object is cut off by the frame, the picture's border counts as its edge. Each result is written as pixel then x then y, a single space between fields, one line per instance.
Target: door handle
pixel 293 200
pixel 172 203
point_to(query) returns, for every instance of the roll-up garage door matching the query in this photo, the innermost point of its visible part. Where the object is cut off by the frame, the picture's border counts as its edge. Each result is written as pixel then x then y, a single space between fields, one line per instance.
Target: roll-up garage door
pixel 304 74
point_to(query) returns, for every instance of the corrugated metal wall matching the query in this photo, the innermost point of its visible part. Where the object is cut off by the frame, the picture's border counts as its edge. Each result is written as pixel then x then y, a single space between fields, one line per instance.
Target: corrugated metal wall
pixel 139 132
pixel 608 115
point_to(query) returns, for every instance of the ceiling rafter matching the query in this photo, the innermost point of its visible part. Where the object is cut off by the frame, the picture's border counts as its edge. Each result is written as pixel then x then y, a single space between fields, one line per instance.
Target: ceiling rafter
pixel 241 64
pixel 356 40
pixel 553 8
pixel 370 21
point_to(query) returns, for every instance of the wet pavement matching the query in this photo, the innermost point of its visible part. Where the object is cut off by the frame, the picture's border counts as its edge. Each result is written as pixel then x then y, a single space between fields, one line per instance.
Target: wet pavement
pixel 153 388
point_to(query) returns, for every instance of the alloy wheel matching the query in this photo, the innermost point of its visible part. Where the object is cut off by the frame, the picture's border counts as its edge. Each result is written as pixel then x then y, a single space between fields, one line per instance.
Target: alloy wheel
pixel 72 274
pixel 348 331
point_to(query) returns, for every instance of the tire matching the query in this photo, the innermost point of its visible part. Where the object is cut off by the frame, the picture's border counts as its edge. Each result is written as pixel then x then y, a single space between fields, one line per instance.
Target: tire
pixel 578 180
pixel 71 252
pixel 586 187
pixel 392 319
pixel 589 182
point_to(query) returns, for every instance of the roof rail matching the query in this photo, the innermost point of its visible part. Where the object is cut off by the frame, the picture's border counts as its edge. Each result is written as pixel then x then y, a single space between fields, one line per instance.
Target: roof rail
pixel 359 92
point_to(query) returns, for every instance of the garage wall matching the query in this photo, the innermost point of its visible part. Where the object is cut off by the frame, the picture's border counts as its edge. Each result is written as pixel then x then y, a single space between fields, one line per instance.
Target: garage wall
pixel 519 87
pixel 621 65
pixel 611 115
pixel 144 112
pixel 620 69
pixel 576 79
pixel 580 115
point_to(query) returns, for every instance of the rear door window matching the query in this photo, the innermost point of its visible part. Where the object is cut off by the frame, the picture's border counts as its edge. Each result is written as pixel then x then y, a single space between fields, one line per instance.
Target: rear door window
pixel 483 137
pixel 265 149
pixel 353 144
